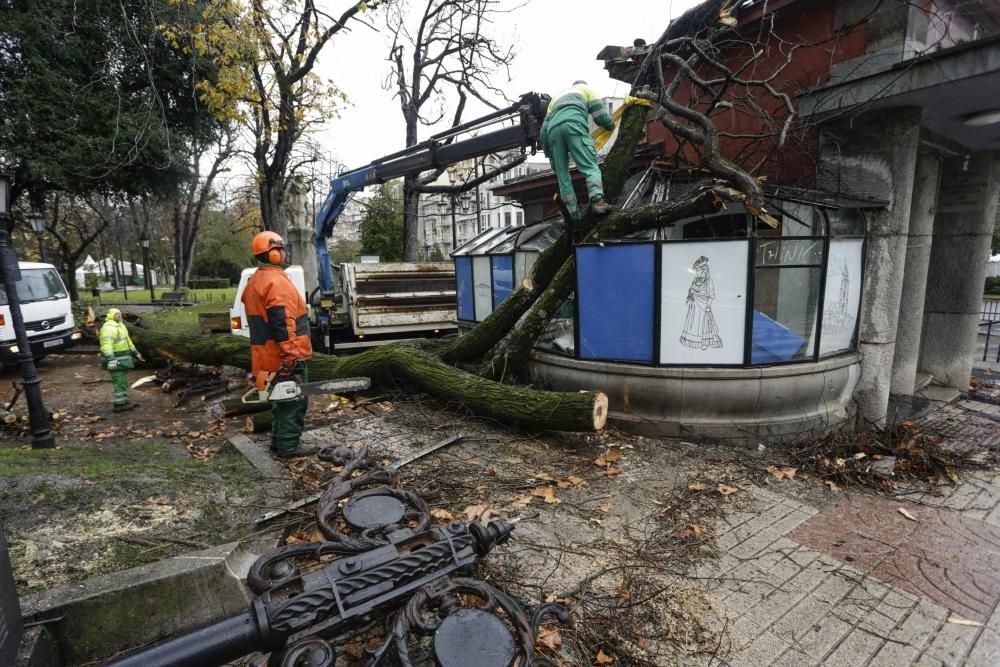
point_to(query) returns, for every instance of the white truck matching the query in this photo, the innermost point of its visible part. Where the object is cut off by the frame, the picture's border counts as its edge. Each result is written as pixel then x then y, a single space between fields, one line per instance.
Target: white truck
pixel 373 304
pixel 47 312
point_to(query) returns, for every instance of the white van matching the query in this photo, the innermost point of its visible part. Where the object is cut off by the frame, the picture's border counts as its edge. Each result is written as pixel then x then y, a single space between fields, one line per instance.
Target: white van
pixel 237 317
pixel 47 313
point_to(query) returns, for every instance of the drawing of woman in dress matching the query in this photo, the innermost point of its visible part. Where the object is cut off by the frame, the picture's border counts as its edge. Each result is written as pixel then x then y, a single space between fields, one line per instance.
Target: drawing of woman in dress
pixel 700 331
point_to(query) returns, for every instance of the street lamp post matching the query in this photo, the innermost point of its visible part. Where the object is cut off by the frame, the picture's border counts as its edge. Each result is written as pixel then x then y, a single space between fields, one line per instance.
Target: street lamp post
pixel 37 222
pixel 144 242
pixel 41 431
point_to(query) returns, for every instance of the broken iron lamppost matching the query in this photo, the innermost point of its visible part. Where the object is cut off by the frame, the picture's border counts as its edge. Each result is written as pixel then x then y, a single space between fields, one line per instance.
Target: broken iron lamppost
pixel 387 559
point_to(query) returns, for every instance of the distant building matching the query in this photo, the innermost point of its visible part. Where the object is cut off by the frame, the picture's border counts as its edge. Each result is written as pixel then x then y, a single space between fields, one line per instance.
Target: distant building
pixel 476 210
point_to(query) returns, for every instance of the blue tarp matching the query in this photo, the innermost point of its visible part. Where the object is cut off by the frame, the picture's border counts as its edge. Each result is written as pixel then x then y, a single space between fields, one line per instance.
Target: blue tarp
pixel 616 302
pixel 463 288
pixel 773 342
pixel 503 278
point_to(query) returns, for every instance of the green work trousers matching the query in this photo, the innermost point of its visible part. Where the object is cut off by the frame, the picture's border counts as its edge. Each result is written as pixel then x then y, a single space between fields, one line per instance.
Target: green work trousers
pixel 288 418
pixel 572 139
pixel 120 382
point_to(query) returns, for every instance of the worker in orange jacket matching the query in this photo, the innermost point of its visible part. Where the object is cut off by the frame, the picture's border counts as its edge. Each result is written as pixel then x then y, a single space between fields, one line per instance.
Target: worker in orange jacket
pixel 279 337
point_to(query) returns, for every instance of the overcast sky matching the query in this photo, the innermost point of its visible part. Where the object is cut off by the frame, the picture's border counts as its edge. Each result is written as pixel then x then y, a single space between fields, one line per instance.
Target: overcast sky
pixel 557 42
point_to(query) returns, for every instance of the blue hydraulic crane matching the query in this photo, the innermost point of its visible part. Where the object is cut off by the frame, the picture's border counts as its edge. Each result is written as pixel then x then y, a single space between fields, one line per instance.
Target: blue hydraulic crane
pixel 525 121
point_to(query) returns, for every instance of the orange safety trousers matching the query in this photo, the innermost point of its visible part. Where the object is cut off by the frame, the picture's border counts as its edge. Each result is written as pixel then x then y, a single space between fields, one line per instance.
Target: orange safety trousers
pixel 278 320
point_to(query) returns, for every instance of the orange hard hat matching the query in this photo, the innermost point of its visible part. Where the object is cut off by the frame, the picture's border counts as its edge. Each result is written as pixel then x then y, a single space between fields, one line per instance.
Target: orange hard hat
pixel 266 241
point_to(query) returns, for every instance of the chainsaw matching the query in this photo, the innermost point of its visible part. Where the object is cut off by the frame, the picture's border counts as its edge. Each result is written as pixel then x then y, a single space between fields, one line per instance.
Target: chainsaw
pixel 283 386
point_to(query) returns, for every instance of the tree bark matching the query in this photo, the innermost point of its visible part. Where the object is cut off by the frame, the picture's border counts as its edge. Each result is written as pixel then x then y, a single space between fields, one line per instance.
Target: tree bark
pixel 390 365
pixel 235 406
pixel 259 422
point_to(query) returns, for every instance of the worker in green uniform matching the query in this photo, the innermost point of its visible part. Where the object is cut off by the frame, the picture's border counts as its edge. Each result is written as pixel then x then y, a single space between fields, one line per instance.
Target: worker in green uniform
pixel 117 352
pixel 566 133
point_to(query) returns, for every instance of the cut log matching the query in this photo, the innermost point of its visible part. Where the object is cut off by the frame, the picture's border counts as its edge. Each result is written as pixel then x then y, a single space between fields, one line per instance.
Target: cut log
pixel 235 406
pixel 390 365
pixel 259 423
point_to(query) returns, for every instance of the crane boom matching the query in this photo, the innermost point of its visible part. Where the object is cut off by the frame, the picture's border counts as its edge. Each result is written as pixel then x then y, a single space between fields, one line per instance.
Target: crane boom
pixel 439 151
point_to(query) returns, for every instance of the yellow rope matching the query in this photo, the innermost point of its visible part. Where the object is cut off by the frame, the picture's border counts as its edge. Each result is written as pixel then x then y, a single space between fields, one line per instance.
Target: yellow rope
pixel 601 136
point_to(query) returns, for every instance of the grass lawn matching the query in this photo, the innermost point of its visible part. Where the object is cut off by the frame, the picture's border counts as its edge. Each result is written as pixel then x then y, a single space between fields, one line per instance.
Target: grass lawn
pixel 97 506
pixel 182 320
pixel 222 296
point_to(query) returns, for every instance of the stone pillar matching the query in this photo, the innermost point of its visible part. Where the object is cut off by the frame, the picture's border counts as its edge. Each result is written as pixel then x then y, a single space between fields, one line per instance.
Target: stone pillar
pixel 963 227
pixel 918 254
pixel 301 234
pixel 875 154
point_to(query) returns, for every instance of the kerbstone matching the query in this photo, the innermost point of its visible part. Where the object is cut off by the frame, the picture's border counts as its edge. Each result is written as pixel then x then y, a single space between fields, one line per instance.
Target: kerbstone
pixel 113 612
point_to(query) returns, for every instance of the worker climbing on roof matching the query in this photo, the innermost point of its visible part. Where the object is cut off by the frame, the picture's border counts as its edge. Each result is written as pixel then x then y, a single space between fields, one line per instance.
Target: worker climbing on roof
pixel 117 352
pixel 279 337
pixel 565 133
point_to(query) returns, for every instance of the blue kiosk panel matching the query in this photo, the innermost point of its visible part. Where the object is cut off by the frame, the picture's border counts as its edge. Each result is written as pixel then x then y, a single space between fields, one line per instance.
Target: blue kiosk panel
pixel 463 288
pixel 616 301
pixel 503 278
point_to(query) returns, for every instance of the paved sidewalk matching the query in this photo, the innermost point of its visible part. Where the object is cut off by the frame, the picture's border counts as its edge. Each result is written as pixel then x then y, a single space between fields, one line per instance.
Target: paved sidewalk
pixel 862 583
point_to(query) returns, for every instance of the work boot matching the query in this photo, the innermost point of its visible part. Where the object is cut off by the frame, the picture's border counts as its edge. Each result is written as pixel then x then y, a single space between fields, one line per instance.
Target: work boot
pixel 124 407
pixel 300 450
pixel 599 206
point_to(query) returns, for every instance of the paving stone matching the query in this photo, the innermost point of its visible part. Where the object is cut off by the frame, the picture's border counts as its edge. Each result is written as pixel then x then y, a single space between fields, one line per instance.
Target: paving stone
pixel 908 639
pixel 986 651
pixel 855 649
pixel 764 538
pixel 943 556
pixel 951 643
pixel 764 650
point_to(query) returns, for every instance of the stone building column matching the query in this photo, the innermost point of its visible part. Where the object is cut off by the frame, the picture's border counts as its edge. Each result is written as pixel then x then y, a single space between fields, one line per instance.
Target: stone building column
pixel 918 254
pixel 963 227
pixel 875 154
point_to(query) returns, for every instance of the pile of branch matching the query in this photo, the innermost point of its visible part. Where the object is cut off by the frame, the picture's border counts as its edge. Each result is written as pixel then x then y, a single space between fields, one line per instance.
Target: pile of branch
pixel 882 459
pixel 190 381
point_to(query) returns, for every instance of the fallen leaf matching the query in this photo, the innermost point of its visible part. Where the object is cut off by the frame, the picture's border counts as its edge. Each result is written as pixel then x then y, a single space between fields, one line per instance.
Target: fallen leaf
pixel 521 502
pixel 577 481
pixel 603 507
pixel 482 512
pixel 444 515
pixel 549 637
pixel 603 658
pixel 726 490
pixel 833 485
pixel 909 516
pixel 783 472
pixel 355 650
pixel 158 500
pixel 546 493
pixel 697 530
pixel 696 486
pixel 544 476
pixel 612 472
pixel 621 593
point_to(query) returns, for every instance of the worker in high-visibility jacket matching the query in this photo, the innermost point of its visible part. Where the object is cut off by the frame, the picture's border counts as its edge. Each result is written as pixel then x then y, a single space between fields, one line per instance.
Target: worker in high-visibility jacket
pixel 279 337
pixel 117 353
pixel 565 133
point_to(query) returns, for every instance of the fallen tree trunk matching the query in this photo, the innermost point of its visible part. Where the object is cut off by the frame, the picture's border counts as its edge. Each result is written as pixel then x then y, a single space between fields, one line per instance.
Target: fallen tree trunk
pixel 235 406
pixel 390 365
pixel 259 423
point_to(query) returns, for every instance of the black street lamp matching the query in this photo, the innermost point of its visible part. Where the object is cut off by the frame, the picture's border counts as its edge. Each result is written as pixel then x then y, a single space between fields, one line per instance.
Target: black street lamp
pixel 144 242
pixel 10 273
pixel 37 222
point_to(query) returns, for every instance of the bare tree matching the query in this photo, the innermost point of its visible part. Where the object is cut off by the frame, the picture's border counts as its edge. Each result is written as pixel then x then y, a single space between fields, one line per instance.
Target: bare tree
pixel 188 207
pixel 445 51
pixel 285 96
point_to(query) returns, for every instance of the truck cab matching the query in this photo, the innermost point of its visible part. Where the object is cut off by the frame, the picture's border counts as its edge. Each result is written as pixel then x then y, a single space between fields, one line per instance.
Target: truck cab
pixel 47 312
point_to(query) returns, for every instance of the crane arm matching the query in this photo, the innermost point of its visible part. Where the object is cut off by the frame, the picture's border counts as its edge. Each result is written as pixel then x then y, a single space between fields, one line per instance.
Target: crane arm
pixel 441 150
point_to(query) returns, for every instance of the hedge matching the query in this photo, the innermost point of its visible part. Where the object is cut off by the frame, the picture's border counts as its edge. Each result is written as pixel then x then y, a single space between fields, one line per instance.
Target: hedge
pixel 208 283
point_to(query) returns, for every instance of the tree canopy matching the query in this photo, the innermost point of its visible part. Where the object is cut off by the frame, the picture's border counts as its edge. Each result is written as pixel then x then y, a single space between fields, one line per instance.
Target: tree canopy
pixel 382 225
pixel 94 98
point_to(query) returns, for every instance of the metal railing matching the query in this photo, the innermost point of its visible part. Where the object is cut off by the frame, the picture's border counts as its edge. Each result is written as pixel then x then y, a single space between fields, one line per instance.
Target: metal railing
pixel 989 317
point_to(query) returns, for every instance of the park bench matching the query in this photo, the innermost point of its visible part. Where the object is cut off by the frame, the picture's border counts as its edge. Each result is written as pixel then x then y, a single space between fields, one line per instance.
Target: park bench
pixel 170 299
